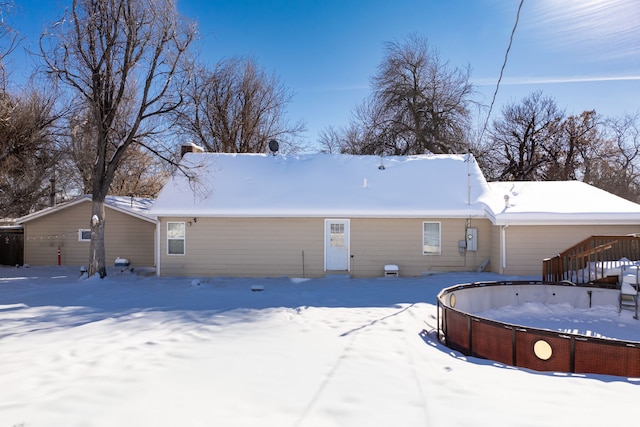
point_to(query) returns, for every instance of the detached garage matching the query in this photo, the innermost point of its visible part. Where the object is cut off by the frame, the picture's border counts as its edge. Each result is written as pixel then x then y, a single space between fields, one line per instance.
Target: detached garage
pixel 61 234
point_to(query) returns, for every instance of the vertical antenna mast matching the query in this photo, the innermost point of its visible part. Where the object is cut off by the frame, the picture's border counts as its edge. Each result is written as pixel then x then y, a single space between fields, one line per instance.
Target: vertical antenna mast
pixel 468 160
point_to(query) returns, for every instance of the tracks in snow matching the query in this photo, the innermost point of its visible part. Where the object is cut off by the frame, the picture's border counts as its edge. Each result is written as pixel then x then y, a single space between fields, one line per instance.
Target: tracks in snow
pixel 351 388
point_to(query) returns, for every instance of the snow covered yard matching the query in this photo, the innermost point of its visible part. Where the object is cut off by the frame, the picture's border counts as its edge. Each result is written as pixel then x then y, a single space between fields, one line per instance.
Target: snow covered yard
pixel 148 351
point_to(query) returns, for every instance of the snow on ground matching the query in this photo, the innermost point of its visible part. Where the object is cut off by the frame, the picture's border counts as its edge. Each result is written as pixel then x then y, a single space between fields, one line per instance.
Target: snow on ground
pixel 147 351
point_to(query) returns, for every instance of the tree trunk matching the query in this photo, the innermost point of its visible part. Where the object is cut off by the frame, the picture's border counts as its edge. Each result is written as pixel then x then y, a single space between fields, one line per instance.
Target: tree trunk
pixel 123 58
pixel 97 255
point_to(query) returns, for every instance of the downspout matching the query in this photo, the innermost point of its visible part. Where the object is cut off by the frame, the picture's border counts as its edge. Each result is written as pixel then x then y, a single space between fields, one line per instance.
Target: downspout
pixel 503 246
pixel 158 222
pixel 503 232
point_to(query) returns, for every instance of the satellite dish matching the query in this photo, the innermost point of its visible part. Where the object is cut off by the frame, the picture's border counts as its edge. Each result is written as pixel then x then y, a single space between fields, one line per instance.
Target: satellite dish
pixel 274 146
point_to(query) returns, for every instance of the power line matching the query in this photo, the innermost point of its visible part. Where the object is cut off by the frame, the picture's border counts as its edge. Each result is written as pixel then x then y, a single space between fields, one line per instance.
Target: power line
pixel 504 64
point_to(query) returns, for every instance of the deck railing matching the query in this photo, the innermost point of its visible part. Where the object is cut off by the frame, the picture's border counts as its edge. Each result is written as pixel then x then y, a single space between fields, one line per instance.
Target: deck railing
pixel 589 260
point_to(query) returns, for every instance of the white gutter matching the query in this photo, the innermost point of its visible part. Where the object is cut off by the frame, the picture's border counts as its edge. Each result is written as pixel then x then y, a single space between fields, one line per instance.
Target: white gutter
pixel 600 218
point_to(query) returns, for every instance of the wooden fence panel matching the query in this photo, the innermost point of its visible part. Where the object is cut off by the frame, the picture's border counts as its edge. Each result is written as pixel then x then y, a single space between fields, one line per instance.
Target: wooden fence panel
pixel 12 246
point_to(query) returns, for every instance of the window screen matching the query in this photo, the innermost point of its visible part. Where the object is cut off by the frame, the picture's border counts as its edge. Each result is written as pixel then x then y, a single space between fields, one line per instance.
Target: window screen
pixel 84 235
pixel 176 238
pixel 337 235
pixel 431 238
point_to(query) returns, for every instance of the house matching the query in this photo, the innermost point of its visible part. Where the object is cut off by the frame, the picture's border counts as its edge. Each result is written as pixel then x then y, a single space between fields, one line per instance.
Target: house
pixel 312 215
pixel 61 234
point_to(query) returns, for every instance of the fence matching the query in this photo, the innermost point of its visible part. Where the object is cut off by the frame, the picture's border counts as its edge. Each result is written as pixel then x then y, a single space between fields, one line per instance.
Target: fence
pixel 11 246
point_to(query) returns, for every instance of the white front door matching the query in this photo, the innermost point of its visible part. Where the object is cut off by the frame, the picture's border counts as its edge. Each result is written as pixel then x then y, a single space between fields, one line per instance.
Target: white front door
pixel 336 244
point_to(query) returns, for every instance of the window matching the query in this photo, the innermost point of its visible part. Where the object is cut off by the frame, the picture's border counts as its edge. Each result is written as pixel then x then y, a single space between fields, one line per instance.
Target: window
pixel 337 235
pixel 84 235
pixel 175 238
pixel 431 238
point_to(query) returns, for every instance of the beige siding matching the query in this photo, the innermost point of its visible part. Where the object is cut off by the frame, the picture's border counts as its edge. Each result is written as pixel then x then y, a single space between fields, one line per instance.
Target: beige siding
pixel 243 247
pixel 125 236
pixel 527 246
pixel 376 242
pixel 267 247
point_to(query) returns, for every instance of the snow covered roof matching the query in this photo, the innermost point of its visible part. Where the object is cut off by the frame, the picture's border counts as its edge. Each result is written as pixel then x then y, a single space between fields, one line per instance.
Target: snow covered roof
pixel 136 206
pixel 557 202
pixel 316 185
pixel 320 185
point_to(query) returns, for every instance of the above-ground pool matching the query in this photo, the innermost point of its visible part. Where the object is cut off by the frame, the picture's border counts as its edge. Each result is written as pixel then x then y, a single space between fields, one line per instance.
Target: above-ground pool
pixel 464 326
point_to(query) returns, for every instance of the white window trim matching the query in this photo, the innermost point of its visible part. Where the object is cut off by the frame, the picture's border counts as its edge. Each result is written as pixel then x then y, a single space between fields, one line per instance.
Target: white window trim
pixel 184 239
pixel 82 230
pixel 439 238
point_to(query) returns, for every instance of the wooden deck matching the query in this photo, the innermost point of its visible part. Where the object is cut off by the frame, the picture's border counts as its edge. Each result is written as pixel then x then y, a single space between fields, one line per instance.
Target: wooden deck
pixel 595 260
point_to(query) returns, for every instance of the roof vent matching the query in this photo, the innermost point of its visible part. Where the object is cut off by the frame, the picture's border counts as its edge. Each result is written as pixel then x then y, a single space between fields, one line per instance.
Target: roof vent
pixel 506 200
pixel 381 167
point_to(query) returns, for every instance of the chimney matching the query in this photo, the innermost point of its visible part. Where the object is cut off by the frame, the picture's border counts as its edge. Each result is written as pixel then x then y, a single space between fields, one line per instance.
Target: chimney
pixel 190 148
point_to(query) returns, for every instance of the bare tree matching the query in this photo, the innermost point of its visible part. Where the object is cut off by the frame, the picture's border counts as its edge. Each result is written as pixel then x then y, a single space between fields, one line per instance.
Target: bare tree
pixel 9 39
pixel 330 140
pixel 425 99
pixel 238 108
pixel 617 169
pixel 580 140
pixel 352 139
pixel 419 104
pixel 140 173
pixel 27 152
pixel 522 137
pixel 367 134
pixel 121 57
pixel 535 141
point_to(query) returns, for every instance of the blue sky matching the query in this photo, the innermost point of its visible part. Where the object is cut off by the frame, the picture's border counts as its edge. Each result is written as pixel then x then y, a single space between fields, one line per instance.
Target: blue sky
pixel 584 53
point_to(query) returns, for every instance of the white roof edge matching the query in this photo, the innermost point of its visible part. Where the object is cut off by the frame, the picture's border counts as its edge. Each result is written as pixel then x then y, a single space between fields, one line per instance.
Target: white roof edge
pixel 567 221
pixel 551 223
pixel 488 213
pixel 78 200
pixel 435 214
pixel 51 209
